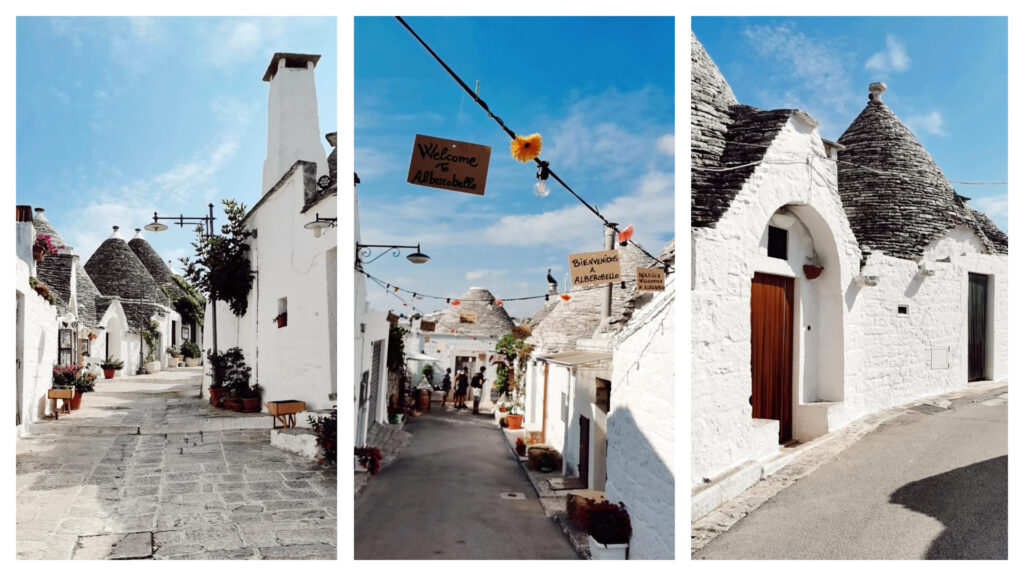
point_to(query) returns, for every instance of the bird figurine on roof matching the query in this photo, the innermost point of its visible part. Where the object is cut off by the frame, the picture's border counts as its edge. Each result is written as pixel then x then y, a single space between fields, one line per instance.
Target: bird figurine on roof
pixel 551 279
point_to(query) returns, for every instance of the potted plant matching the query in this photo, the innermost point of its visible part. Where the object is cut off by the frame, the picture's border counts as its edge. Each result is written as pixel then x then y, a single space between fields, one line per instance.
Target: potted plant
pixel 608 530
pixel 109 366
pixel 281 319
pixel 42 247
pixel 369 458
pixel 514 353
pixel 251 398
pixel 191 352
pixel 84 383
pixel 520 447
pixel 151 335
pixel 326 430
pixel 65 378
pixel 172 362
pixel 41 289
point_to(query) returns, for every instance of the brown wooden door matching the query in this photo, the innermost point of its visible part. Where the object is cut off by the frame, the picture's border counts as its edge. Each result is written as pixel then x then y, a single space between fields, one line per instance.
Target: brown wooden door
pixel 977 305
pixel 585 451
pixel 771 350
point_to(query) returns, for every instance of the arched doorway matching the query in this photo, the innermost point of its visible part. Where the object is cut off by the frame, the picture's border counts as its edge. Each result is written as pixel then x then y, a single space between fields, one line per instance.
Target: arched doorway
pixel 796 324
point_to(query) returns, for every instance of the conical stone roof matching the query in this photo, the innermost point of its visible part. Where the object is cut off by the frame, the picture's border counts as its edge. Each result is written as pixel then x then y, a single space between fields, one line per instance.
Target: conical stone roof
pixel 155 265
pixel 87 294
pixel 723 134
pixel 43 226
pixel 117 271
pixel 492 321
pixel 895 196
pixel 580 316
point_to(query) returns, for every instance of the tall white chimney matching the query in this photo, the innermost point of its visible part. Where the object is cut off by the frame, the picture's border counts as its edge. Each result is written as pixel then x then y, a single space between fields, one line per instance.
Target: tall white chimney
pixel 293 123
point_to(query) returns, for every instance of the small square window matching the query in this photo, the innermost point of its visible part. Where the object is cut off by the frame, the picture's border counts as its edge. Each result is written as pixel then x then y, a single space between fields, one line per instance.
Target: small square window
pixel 777 240
pixel 903 309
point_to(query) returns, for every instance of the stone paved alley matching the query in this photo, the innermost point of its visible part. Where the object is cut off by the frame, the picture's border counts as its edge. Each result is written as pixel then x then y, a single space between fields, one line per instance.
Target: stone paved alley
pixel 455 492
pixel 146 469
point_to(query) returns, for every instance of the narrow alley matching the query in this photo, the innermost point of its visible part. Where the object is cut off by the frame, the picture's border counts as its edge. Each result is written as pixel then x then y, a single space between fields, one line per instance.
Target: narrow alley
pixel 455 492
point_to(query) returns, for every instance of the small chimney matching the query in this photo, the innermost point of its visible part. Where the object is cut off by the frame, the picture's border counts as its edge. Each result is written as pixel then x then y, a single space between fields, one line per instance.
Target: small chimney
pixel 116 234
pixel 293 121
pixel 875 91
pixel 138 234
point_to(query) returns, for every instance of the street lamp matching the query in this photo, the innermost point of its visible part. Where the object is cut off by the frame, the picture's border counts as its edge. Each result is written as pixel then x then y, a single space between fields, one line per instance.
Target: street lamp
pixel 366 250
pixel 320 224
pixel 181 221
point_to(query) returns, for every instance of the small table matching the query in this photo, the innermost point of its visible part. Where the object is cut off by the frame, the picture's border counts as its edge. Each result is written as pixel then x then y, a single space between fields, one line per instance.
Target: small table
pixel 284 411
pixel 65 394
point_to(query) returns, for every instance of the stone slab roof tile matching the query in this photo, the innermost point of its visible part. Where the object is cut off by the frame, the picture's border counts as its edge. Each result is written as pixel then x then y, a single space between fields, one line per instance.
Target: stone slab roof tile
pixel 117 271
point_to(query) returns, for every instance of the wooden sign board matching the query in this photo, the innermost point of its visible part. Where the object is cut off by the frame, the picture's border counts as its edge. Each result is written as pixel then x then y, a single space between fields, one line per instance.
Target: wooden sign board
pixel 467 317
pixel 449 164
pixel 521 332
pixel 427 326
pixel 392 319
pixel 650 279
pixel 590 268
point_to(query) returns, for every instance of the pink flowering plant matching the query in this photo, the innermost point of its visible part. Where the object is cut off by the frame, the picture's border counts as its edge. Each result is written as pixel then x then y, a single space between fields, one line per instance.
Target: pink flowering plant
pixel 65 376
pixel 43 243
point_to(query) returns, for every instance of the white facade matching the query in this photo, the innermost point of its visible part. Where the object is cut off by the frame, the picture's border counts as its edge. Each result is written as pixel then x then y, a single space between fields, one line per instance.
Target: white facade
pixel 642 423
pixel 864 338
pixel 295 272
pixel 453 351
pixel 35 338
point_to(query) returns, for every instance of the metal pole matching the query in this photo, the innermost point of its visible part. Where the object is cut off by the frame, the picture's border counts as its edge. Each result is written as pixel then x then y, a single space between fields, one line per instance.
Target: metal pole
pixel 606 304
pixel 213 297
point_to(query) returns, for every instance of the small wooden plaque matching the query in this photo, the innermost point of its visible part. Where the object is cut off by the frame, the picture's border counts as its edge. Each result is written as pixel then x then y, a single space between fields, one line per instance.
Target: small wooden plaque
pixel 591 268
pixel 58 393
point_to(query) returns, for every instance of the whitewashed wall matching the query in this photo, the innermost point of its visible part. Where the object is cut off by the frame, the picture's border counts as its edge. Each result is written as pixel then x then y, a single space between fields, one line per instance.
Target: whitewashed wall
pixel 36 337
pixel 642 423
pixel 725 259
pixel 446 347
pixel 854 354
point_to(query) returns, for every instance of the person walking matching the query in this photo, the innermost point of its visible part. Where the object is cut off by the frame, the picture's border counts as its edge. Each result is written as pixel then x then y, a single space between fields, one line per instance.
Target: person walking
pixel 461 384
pixel 446 386
pixel 478 388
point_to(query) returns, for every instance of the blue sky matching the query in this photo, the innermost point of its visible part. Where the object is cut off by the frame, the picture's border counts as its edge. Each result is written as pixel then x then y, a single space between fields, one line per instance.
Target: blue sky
pixel 946 78
pixel 600 91
pixel 121 117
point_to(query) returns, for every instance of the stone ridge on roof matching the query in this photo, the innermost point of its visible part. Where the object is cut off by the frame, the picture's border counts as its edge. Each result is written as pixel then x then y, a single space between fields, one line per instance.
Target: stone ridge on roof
pixel 156 267
pixel 492 321
pixel 895 196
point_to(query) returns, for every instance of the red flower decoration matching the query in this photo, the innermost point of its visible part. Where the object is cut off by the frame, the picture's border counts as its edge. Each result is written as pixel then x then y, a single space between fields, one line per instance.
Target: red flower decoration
pixel 626 234
pixel 456 302
pixel 566 296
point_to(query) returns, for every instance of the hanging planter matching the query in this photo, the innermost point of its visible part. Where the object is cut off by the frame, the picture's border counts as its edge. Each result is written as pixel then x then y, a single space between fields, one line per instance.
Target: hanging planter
pixel 812 271
pixel 37 254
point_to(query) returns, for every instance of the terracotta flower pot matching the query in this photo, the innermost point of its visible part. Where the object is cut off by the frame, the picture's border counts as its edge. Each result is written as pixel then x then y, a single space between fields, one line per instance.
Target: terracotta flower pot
pixel 812 271
pixel 251 404
pixel 215 394
pixel 234 404
pixel 108 373
pixel 515 421
pixel 76 400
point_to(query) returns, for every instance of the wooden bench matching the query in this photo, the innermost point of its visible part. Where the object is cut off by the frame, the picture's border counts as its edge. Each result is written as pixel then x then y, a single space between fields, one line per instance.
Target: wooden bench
pixel 65 394
pixel 284 411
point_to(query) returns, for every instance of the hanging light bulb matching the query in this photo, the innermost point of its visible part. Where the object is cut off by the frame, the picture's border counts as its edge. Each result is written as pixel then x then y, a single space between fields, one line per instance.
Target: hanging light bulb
pixel 540 189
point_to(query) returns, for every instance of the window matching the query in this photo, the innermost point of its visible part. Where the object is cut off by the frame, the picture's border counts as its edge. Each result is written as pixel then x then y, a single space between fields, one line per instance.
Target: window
pixel 602 394
pixel 902 309
pixel 467 318
pixel 282 312
pixel 778 238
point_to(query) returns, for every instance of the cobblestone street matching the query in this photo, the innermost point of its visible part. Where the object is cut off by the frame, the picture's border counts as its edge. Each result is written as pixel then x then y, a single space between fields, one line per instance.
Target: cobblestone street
pixel 148 470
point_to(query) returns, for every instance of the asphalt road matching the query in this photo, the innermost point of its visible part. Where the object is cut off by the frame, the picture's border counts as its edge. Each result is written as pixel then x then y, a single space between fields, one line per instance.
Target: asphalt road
pixel 442 498
pixel 931 484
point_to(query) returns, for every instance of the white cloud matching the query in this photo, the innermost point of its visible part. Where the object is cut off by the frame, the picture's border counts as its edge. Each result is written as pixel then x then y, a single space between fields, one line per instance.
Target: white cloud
pixel 930 123
pixel 650 208
pixel 893 59
pixel 667 144
pixel 371 163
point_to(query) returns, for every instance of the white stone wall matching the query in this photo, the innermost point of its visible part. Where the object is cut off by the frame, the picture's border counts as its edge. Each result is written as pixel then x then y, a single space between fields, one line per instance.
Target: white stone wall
pixel 725 259
pixel 641 426
pixel 293 124
pixel 36 348
pixel 446 347
pixel 854 353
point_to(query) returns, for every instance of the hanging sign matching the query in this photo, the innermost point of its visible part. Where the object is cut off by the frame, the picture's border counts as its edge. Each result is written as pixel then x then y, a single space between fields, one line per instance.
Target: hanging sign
pixel 467 317
pixel 449 164
pixel 587 268
pixel 650 279
pixel 521 332
pixel 392 319
pixel 427 326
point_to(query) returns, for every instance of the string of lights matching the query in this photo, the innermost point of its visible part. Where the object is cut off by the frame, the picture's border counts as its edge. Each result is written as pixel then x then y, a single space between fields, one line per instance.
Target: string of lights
pixel 543 166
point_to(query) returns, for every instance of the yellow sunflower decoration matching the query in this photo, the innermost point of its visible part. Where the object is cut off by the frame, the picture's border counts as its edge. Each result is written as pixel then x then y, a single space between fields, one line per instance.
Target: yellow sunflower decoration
pixel 526 148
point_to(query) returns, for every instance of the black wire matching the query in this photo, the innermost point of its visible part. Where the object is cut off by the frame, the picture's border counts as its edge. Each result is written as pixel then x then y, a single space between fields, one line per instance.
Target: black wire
pixel 512 134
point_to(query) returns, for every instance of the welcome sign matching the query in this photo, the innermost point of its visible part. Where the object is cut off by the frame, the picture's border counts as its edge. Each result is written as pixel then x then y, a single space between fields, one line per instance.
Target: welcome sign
pixel 650 279
pixel 588 268
pixel 449 164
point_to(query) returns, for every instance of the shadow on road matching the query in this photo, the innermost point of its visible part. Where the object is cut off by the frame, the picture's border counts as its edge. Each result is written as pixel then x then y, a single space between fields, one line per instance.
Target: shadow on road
pixel 972 504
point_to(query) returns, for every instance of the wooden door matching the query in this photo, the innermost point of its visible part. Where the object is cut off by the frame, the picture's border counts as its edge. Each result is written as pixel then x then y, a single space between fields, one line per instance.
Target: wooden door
pixel 977 305
pixel 771 350
pixel 585 451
